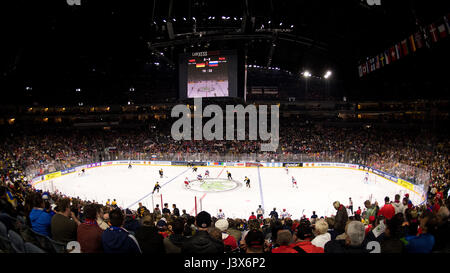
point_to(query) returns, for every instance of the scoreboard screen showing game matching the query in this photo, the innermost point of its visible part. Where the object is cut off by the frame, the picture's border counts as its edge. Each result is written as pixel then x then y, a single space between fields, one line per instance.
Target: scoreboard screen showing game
pixel 208 74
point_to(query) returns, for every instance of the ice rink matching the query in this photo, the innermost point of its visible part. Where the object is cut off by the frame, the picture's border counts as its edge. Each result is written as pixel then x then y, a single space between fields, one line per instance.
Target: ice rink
pixel 217 89
pixel 270 187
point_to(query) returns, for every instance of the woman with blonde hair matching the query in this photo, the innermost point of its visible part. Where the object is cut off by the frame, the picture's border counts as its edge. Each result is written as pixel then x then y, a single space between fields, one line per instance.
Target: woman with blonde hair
pixel 321 232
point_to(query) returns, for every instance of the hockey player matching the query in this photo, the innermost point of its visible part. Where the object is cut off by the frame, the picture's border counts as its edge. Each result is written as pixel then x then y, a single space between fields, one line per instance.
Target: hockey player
pixel 206 173
pixel 285 214
pixel 221 215
pixel 186 183
pixel 129 165
pixel 157 187
pixel 161 173
pixel 366 178
pixel 229 175
pixel 247 182
pixel 82 172
pixel 287 170
pixel 194 169
pixel 294 183
pixel 199 177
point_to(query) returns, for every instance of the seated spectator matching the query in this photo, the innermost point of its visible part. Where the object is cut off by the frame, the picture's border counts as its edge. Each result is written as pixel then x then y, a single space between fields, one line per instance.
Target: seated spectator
pixel 131 223
pixel 162 227
pixel 424 242
pixel 441 233
pixel 40 218
pixel 150 241
pixel 116 239
pixel 302 239
pixel 64 223
pixel 174 242
pixel 89 234
pixel 284 240
pixel 254 242
pixel 321 233
pixel 229 241
pixel 353 242
pixel 202 242
pixel 101 221
pixel 232 230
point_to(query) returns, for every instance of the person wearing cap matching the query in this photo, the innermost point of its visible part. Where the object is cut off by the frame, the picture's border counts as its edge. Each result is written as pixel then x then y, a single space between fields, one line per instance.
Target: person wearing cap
pixel 352 242
pixel 202 242
pixel 254 242
pixel 229 241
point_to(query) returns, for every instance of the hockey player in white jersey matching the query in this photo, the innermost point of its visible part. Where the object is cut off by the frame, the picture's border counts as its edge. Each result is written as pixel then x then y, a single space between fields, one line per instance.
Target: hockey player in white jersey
pixel 366 178
pixel 186 183
pixel 285 214
pixel 294 183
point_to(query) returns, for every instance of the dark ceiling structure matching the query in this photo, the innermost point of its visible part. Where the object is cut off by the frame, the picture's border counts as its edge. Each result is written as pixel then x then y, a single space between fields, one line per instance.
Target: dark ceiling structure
pixel 106 48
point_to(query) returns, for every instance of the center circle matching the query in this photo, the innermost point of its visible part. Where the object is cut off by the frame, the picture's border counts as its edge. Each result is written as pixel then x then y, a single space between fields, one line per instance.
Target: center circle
pixel 212 185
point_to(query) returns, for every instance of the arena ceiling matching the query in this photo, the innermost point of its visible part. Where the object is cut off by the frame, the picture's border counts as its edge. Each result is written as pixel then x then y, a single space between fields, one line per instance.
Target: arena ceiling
pixel 115 45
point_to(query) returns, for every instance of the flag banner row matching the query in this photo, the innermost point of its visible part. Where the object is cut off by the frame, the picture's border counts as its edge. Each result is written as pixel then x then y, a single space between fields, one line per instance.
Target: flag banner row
pixel 424 37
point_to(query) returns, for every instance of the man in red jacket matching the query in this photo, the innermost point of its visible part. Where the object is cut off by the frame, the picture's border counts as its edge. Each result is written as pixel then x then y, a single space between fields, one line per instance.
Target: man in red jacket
pixel 253 216
pixel 89 234
pixel 388 210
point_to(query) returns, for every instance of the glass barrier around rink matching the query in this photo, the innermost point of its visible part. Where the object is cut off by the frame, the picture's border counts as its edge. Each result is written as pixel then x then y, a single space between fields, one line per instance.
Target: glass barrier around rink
pixel 413 174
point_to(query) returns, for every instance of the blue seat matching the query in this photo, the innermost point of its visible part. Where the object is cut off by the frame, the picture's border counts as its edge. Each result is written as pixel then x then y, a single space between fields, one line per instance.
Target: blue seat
pixel 17 242
pixel 43 241
pixel 32 248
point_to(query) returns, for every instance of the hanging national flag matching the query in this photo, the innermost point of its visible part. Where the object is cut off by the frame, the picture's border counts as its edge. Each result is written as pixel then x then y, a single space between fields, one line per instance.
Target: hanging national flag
pixel 392 54
pixel 377 63
pixel 412 43
pixel 398 50
pixel 426 37
pixel 360 71
pixel 433 33
pixel 364 68
pixel 405 47
pixel 382 61
pixel 387 58
pixel 419 39
pixel 442 31
pixel 372 64
pixel 446 23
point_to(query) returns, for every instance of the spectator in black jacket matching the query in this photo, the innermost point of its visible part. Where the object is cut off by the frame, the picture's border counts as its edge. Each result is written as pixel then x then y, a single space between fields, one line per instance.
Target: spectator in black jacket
pixel 148 237
pixel 175 241
pixel 341 217
pixel 274 214
pixel 202 242
pixel 176 211
pixel 166 209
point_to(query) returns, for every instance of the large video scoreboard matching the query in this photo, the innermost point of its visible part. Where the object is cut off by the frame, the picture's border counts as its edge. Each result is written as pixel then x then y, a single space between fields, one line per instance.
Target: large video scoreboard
pixel 208 74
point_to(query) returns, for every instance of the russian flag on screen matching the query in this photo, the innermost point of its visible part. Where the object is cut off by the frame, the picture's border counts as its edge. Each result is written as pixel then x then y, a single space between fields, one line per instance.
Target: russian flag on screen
pixel 213 63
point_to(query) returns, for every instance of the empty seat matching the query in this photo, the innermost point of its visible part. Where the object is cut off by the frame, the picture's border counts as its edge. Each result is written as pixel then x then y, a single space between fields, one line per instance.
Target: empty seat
pixel 17 242
pixel 32 248
pixel 58 247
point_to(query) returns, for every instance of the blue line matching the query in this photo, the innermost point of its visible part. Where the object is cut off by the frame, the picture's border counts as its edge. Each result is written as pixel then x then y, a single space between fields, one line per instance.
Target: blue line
pixel 161 187
pixel 260 189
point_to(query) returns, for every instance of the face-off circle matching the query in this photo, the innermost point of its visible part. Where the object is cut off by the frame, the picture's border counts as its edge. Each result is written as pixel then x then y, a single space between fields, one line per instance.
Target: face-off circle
pixel 212 185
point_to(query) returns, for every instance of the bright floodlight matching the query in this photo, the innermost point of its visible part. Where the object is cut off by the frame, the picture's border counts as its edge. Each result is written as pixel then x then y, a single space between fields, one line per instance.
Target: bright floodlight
pixel 328 74
pixel 306 74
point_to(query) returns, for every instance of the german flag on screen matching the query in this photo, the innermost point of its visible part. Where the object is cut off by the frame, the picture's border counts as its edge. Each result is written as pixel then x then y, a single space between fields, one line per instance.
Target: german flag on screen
pixel 200 65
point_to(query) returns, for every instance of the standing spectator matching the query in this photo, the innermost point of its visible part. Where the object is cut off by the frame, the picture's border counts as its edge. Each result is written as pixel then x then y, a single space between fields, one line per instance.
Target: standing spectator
pixel 350 204
pixel 150 241
pixel 64 223
pixel 220 214
pixel 176 211
pixel 314 216
pixel 230 243
pixel 116 239
pixel 141 209
pixel 341 218
pixel 274 214
pixel 321 233
pixel 174 242
pixel 40 218
pixel 252 217
pixel 166 209
pixel 89 234
pixel 232 230
pixel 162 227
pixel 184 215
pixel 202 242
pixel 398 206
pixel 259 212
pixel 157 211
pixel 388 210
pixel 353 242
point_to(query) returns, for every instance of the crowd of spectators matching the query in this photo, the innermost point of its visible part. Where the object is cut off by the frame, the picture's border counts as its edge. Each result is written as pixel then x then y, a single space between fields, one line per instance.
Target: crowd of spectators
pixel 399 225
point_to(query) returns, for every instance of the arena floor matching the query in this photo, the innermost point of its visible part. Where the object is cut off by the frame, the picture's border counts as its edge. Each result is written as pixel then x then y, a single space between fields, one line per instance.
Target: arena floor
pixel 270 187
